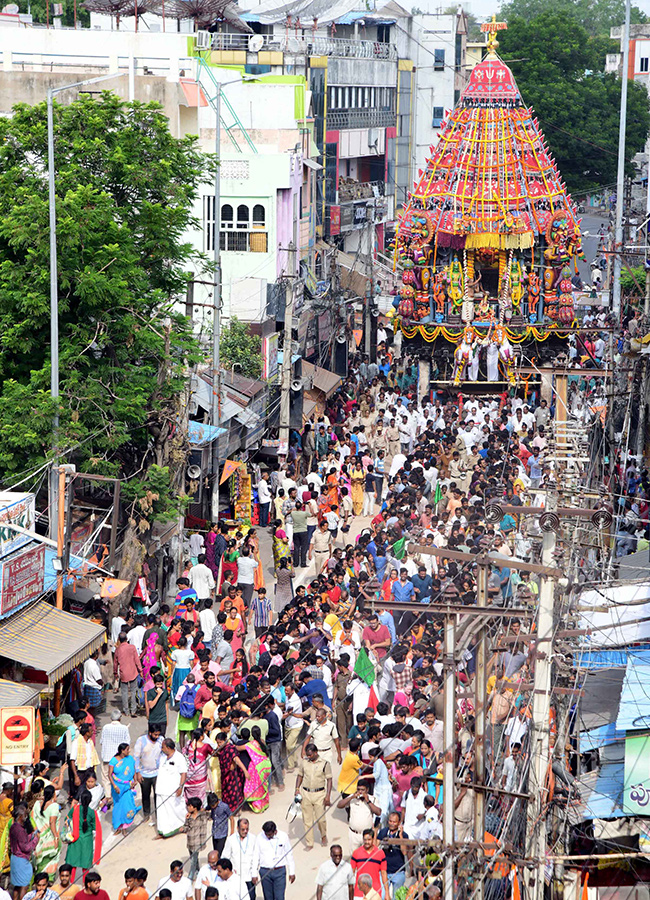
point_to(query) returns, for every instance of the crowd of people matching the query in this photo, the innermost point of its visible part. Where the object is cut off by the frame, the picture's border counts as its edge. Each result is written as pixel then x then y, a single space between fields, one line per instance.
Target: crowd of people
pixel 320 684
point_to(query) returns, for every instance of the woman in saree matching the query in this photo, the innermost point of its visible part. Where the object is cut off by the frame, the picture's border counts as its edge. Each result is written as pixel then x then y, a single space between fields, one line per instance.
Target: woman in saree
pixel 281 548
pixel 232 772
pixel 121 774
pixel 258 769
pixel 83 834
pixel 382 791
pixel 197 752
pixel 6 821
pixel 210 560
pixel 45 816
pixel 357 478
pixel 229 564
pixel 332 483
pixel 151 653
pixel 387 588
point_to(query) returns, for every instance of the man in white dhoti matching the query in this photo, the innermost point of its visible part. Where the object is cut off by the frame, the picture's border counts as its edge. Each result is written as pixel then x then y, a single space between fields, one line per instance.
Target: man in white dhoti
pixel 170 803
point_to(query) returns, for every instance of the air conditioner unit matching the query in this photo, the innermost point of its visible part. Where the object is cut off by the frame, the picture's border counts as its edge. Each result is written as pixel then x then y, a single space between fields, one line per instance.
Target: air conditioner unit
pixel 203 40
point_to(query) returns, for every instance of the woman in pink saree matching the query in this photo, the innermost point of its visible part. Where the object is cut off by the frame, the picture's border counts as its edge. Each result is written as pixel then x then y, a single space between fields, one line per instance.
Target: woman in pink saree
pixel 258 769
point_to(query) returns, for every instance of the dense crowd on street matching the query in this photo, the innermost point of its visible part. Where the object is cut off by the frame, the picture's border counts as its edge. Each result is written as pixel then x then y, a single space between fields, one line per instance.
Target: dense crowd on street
pixel 317 685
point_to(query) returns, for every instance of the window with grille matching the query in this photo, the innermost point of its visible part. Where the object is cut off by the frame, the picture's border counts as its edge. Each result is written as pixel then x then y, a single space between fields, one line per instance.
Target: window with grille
pixel 439 58
pixel 240 230
pixel 438 116
pixel 644 64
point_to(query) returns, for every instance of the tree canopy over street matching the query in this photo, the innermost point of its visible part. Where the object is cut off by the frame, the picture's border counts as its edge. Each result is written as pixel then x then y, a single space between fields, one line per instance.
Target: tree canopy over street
pixel 125 188
pixel 559 67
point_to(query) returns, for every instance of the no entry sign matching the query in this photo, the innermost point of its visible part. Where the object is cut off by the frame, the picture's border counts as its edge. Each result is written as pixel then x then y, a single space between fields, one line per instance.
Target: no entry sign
pixel 16 735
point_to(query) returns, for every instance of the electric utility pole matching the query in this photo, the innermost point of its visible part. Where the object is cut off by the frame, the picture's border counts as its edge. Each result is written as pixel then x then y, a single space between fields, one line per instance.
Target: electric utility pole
pixel 287 353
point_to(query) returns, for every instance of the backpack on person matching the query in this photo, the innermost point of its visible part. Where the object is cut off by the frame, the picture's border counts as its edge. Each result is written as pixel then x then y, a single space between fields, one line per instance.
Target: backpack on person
pixel 186 707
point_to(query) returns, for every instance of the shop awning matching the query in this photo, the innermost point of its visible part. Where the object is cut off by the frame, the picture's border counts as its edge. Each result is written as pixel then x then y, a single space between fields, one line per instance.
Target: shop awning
pixel 49 640
pixel 13 693
pixel 323 379
pixel 200 435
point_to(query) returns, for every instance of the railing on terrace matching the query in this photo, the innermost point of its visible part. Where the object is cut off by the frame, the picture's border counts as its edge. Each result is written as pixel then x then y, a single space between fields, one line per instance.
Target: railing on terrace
pixel 316 46
pixel 361 118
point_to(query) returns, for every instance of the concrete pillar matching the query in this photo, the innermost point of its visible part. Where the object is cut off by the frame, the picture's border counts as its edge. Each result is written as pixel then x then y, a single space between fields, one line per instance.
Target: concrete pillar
pixel 424 379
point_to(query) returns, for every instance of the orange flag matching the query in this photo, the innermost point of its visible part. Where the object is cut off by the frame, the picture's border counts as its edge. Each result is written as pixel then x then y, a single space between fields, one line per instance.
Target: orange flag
pixel 229 467
pixel 585 887
pixel 516 890
pixel 111 587
pixel 357 334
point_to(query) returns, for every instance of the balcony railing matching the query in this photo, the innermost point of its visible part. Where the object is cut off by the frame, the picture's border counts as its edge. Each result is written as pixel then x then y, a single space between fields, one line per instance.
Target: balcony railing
pixel 361 118
pixel 356 190
pixel 316 46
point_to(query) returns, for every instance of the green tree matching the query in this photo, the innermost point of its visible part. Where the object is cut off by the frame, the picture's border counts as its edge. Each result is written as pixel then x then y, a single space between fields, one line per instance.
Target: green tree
pixel 39 11
pixel 558 67
pixel 125 189
pixel 595 16
pixel 241 349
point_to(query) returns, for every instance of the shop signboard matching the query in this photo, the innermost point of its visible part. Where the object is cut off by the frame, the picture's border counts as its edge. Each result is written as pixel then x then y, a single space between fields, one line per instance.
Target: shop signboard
pixel 636 784
pixel 16 509
pixel 21 579
pixel 335 219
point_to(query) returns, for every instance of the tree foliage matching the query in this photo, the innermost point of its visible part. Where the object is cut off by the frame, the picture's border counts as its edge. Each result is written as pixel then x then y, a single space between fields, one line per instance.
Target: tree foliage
pixel 39 11
pixel 241 349
pixel 595 16
pixel 124 189
pixel 558 66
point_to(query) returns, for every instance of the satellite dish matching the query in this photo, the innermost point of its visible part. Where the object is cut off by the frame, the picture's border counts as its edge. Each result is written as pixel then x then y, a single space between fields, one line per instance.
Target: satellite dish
pixel 194 473
pixel 255 43
pixel 296 384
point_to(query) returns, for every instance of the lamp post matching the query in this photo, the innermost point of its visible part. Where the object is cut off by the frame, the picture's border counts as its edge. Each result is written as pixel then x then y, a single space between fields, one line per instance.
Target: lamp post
pixel 54 287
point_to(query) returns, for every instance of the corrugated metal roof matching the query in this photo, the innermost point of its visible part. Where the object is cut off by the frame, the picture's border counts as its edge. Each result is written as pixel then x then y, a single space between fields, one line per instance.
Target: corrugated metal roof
pixel 601 794
pixel 49 640
pixel 13 693
pixel 600 737
pixel 356 15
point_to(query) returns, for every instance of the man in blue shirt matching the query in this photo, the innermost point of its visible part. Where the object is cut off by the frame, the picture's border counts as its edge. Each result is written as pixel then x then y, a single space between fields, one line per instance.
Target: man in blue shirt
pixel 311 686
pixel 422 584
pixel 386 618
pixel 403 590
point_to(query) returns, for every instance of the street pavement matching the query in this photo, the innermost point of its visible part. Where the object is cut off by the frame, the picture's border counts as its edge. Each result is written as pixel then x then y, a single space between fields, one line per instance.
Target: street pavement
pixel 138 848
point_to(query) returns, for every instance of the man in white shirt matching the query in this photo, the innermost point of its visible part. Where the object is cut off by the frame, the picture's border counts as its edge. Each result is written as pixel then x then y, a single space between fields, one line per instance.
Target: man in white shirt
pixel 118 624
pixel 246 567
pixel 92 680
pixel 264 497
pixel 433 731
pixel 293 724
pixel 197 545
pixel 335 878
pixel 208 876
pixel 510 774
pixel 413 803
pixel 202 579
pixel 231 887
pixel 179 884
pixel 275 861
pixel 208 622
pixel 136 634
pixel 241 849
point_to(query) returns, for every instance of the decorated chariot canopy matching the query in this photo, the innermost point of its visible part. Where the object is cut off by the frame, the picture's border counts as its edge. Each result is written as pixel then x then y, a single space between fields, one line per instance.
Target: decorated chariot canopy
pixel 489 236
pixel 491 181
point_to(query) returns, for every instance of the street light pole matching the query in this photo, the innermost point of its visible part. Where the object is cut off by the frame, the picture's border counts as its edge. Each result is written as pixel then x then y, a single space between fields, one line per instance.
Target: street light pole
pixel 54 288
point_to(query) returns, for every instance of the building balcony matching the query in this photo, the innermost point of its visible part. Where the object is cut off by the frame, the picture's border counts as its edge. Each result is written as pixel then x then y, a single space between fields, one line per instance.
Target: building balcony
pixel 350 190
pixel 345 48
pixel 361 118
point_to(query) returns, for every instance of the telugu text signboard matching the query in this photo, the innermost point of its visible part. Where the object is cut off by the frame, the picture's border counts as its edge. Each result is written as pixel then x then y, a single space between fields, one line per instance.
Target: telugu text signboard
pixel 636 784
pixel 21 578
pixel 16 735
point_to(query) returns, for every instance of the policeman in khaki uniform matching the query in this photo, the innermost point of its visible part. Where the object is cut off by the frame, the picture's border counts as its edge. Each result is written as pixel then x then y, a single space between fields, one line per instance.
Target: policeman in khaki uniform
pixel 314 783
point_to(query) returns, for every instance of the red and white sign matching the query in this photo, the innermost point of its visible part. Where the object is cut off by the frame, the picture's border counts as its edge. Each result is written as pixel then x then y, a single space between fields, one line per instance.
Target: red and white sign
pixel 22 579
pixel 16 735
